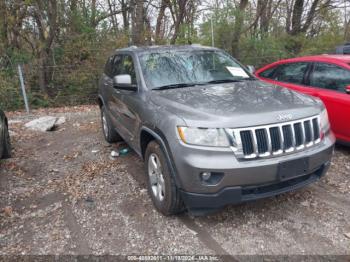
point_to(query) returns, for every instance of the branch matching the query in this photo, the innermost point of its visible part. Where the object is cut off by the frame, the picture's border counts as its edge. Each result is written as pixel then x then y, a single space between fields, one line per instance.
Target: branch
pixel 103 17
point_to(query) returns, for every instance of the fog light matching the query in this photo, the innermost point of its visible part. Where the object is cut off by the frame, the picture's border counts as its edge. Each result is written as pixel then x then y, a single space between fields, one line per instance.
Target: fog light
pixel 206 176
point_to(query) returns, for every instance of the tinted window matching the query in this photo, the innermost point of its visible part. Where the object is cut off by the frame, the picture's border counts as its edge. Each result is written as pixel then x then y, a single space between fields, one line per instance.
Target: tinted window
pixel 330 77
pixel 291 73
pixel 128 68
pixel 112 66
pixel 117 65
pixel 268 73
pixel 346 50
pixel 109 66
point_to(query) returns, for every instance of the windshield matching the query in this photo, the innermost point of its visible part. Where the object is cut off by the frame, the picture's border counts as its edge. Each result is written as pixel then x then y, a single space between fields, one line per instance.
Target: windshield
pixel 174 68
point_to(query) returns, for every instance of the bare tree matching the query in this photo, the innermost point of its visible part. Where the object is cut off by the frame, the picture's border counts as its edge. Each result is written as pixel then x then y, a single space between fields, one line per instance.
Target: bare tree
pixel 137 18
pixel 238 26
pixel 46 17
pixel 159 33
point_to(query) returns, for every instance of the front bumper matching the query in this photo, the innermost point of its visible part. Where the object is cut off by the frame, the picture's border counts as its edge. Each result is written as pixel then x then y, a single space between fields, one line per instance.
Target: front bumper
pixel 243 180
pixel 238 194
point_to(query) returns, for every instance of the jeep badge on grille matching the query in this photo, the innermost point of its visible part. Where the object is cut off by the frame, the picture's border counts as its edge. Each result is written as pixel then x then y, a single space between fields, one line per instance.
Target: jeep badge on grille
pixel 285 117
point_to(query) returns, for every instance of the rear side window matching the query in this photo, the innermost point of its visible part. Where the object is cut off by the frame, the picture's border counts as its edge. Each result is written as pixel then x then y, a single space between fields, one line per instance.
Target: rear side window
pixel 291 73
pixel 268 73
pixel 109 66
pixel 117 65
pixel 113 64
pixel 330 77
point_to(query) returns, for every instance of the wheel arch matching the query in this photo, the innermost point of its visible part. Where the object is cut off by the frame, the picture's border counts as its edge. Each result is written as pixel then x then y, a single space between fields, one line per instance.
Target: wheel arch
pixel 146 136
pixel 100 101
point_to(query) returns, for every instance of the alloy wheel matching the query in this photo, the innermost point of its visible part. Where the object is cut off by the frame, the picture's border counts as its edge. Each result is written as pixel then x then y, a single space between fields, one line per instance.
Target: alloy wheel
pixel 156 177
pixel 104 124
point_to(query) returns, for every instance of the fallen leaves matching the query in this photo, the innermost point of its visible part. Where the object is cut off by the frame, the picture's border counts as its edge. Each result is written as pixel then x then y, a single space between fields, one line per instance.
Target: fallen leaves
pixel 72 156
pixel 12 166
pixel 75 183
pixel 8 211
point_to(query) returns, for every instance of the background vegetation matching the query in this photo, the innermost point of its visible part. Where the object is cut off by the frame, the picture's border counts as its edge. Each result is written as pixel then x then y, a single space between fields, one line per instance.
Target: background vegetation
pixel 63 44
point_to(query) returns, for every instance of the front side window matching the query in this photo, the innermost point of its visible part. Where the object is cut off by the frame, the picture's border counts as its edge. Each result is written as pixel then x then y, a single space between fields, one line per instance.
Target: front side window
pixel 330 77
pixel 162 68
pixel 291 73
pixel 268 73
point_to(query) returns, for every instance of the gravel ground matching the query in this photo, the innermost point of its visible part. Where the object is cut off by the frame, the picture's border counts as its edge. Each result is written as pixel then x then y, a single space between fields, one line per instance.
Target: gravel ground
pixel 62 194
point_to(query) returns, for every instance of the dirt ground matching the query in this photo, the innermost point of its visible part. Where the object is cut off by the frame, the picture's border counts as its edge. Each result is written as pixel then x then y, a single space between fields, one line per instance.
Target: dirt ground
pixel 61 193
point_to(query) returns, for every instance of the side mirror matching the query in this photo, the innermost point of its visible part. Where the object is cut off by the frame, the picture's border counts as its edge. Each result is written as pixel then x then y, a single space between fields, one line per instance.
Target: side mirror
pixel 347 89
pixel 251 69
pixel 123 82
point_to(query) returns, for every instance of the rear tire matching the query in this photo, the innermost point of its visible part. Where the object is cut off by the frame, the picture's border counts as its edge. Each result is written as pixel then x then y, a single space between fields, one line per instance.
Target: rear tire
pixel 161 185
pixel 108 130
pixel 6 153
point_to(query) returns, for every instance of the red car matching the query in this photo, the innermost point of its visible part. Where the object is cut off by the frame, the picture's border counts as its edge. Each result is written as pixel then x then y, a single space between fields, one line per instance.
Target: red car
pixel 323 76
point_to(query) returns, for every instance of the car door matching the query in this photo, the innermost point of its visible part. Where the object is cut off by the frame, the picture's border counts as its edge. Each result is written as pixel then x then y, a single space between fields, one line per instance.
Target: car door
pixel 129 118
pixel 330 81
pixel 113 68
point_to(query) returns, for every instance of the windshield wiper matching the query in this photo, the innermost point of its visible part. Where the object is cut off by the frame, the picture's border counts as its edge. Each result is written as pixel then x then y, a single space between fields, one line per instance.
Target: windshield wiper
pixel 219 81
pixel 172 86
pixel 182 85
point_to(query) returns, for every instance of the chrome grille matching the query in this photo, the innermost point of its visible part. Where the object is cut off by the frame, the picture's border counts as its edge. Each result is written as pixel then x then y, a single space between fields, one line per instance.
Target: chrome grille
pixel 276 139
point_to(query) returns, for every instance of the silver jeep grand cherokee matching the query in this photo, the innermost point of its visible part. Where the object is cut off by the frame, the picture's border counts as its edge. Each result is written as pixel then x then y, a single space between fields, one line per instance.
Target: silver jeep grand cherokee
pixel 210 133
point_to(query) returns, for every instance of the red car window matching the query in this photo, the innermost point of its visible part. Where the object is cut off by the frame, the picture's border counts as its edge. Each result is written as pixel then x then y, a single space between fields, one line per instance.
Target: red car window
pixel 289 73
pixel 330 77
pixel 268 73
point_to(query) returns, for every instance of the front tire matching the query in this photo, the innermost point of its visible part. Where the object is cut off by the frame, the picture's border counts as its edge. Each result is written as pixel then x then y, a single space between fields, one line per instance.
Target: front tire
pixel 109 132
pixel 161 185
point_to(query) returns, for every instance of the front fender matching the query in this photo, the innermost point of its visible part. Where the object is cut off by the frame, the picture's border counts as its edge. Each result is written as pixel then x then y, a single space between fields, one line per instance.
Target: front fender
pixel 161 139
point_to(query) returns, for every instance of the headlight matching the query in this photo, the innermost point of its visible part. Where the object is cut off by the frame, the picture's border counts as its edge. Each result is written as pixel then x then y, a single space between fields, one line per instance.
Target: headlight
pixel 324 122
pixel 203 136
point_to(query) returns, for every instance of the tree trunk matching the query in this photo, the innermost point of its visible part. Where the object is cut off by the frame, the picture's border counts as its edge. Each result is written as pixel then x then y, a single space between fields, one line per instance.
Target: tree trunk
pixel 3 25
pixel 45 73
pixel 45 15
pixel 264 18
pixel 73 23
pixel 138 23
pixel 158 34
pixel 125 14
pixel 296 17
pixel 114 22
pixel 93 13
pixel 237 29
pixel 178 13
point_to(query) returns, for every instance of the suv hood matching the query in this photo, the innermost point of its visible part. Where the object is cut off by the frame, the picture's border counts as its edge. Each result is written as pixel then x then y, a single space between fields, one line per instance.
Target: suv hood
pixel 241 104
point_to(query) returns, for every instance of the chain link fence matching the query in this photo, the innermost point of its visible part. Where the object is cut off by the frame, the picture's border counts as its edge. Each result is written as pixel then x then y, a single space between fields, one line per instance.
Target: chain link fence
pixel 65 84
